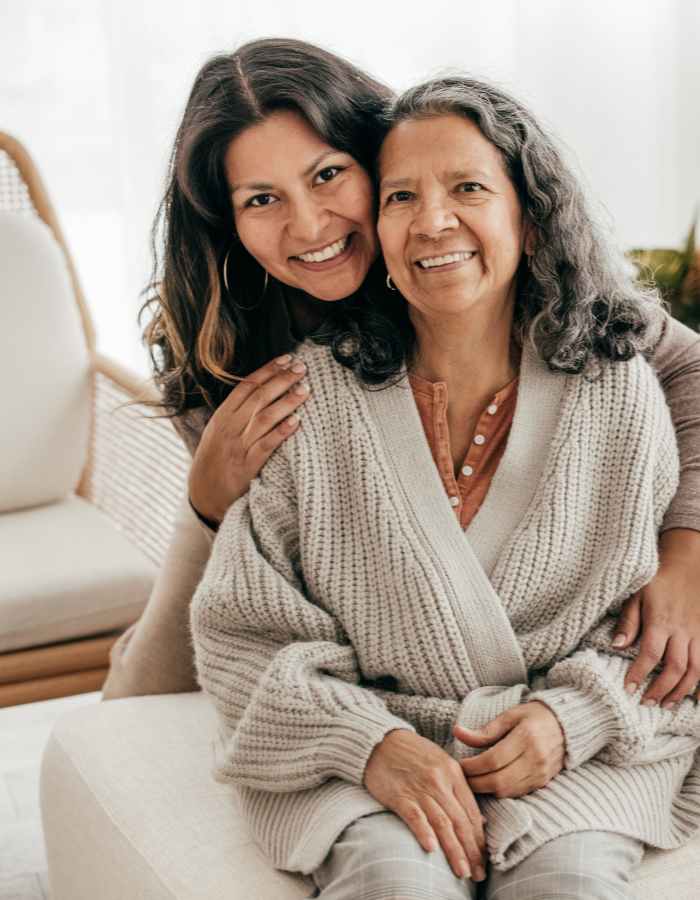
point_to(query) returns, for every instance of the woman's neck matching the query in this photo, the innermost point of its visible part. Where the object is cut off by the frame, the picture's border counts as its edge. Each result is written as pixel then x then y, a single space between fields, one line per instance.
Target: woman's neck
pixel 305 313
pixel 474 352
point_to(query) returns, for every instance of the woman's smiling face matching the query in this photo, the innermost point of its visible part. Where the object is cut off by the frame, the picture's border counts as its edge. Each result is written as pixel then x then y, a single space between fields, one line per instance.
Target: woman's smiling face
pixel 450 222
pixel 302 208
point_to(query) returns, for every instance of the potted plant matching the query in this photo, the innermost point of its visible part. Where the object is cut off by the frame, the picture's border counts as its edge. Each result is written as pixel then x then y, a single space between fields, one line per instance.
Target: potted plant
pixel 676 273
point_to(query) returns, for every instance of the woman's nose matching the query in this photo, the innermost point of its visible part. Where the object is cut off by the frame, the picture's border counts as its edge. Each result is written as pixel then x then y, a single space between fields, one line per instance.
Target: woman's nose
pixel 307 221
pixel 432 219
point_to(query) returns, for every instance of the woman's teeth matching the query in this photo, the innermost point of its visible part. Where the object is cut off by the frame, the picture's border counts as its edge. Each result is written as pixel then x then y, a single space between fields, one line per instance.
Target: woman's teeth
pixel 327 253
pixel 445 260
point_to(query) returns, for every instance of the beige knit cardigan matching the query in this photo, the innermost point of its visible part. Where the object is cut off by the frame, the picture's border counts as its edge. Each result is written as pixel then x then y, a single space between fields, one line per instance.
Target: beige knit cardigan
pixel 344 568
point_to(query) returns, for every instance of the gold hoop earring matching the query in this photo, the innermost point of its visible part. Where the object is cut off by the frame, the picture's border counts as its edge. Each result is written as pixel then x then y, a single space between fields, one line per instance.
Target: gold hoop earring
pixel 390 283
pixel 225 271
pixel 228 289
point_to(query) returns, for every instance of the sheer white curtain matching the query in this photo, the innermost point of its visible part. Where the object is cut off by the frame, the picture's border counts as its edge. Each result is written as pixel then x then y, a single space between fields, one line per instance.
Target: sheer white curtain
pixel 95 89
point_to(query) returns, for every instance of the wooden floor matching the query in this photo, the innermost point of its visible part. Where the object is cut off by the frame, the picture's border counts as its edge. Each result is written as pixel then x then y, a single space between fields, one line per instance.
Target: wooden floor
pixel 24 731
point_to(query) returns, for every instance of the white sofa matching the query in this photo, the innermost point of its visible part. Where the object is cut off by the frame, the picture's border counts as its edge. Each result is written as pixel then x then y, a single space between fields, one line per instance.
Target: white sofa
pixel 130 811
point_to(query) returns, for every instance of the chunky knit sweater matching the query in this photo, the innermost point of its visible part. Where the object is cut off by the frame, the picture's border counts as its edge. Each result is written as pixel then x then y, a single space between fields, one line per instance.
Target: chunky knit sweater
pixel 342 600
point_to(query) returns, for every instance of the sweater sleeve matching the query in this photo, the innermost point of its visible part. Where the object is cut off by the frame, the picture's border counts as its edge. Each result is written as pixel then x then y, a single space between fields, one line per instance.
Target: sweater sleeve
pixel 281 672
pixel 676 358
pixel 598 717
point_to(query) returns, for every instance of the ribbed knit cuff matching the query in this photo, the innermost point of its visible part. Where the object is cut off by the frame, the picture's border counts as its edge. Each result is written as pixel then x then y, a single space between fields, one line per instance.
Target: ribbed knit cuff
pixel 348 744
pixel 588 723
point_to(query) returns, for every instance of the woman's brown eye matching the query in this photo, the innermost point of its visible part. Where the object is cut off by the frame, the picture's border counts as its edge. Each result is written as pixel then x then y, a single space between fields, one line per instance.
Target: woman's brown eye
pixel 260 200
pixel 329 173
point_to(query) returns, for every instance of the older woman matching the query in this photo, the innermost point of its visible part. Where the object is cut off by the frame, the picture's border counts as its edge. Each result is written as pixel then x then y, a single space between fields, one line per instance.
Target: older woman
pixel 428 559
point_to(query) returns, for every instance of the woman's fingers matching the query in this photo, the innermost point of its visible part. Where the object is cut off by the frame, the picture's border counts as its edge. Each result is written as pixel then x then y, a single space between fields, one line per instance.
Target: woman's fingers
pixel 259 398
pixel 651 651
pixel 629 621
pixel 248 385
pixel 497 757
pixel 467 801
pixel 675 667
pixel 272 416
pixel 690 679
pixel 453 828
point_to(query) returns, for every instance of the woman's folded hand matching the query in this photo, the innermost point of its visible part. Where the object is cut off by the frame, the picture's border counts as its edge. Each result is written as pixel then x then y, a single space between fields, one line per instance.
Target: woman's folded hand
pixel 426 788
pixel 526 750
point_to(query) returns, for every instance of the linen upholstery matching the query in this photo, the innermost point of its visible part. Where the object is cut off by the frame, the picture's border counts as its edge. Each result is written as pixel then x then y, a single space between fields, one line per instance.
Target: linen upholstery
pixel 44 366
pixel 130 810
pixel 67 573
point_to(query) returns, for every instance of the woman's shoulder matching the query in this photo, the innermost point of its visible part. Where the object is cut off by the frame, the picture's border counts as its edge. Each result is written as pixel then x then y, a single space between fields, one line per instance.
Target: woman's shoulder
pixel 323 368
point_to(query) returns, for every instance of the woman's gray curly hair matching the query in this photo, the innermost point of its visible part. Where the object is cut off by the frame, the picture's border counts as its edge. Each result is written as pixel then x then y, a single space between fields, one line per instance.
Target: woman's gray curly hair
pixel 578 302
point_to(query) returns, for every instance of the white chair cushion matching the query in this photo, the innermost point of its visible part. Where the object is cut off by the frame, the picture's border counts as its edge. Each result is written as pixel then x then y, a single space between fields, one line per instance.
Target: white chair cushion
pixel 44 367
pixel 67 573
pixel 126 788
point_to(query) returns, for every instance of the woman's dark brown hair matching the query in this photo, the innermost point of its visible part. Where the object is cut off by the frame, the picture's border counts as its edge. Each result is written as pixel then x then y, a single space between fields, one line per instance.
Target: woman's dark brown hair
pixel 202 336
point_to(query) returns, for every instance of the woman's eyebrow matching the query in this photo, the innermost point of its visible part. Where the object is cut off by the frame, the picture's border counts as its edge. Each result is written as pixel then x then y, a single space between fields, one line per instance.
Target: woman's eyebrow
pixel 450 176
pixel 264 186
pixel 252 186
pixel 396 182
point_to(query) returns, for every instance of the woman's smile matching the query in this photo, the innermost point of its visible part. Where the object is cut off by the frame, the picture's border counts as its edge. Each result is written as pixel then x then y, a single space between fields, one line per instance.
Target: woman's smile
pixel 446 261
pixel 329 256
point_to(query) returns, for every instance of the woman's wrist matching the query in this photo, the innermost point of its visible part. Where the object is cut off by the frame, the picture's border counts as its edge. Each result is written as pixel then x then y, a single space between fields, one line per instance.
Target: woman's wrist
pixel 212 524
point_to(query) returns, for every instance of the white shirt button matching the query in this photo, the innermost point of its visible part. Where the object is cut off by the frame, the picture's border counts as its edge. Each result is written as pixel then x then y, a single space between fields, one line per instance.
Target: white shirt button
pixel 479 439
pixel 467 470
pixel 492 410
pixel 454 501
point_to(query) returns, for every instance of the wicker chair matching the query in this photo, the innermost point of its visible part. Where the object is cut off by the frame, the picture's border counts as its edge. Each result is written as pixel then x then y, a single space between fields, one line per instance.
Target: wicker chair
pixel 134 474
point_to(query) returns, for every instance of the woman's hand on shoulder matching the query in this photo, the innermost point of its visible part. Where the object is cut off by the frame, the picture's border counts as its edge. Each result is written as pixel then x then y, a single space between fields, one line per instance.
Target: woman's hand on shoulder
pixel 526 749
pixel 425 787
pixel 256 417
pixel 667 610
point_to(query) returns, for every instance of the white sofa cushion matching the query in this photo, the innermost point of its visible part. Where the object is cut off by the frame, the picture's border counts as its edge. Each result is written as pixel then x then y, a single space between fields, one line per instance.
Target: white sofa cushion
pixel 67 572
pixel 44 366
pixel 129 809
pixel 126 788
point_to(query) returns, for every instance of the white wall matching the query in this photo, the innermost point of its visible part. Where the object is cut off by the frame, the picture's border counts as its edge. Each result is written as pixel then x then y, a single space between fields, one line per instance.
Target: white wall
pixel 95 90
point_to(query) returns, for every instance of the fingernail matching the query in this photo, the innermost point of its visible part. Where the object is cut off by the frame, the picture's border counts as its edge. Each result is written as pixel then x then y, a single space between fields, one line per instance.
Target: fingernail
pixel 293 419
pixel 479 874
pixel 298 367
pixel 464 870
pixel 668 704
pixel 618 640
pixel 631 687
pixel 284 360
pixel 649 702
pixel 301 388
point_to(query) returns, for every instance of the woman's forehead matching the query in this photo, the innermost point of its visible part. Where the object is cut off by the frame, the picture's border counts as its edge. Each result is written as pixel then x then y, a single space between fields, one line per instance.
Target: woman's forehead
pixel 449 143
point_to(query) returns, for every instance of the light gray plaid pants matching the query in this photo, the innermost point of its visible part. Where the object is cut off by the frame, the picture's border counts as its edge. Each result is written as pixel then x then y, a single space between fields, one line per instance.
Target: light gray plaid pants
pixel 377 857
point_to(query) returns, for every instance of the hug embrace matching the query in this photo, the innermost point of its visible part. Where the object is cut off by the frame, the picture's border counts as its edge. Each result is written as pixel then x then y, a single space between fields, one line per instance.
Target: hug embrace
pixel 445 450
